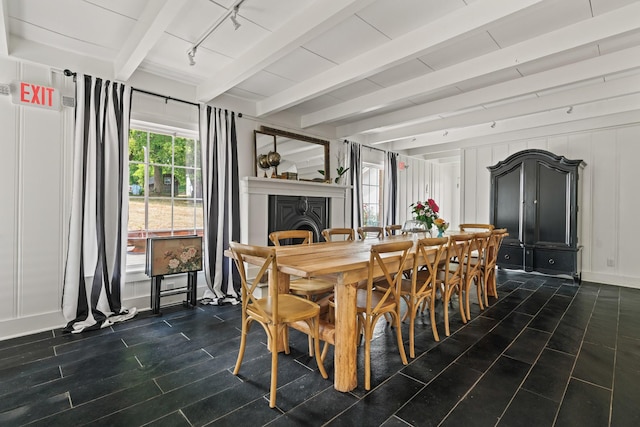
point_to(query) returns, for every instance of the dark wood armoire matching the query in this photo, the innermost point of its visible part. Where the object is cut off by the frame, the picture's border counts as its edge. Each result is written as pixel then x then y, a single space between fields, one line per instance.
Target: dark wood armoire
pixel 534 195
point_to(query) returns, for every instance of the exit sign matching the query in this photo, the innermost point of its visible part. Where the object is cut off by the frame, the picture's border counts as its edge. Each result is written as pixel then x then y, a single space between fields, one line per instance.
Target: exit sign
pixel 35 95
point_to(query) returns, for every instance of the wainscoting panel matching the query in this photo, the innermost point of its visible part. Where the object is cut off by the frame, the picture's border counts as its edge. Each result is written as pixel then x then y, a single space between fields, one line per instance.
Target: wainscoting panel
pixel 9 115
pixel 36 177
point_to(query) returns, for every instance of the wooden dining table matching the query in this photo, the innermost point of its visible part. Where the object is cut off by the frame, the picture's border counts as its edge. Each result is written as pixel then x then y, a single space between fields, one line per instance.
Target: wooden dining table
pixel 346 263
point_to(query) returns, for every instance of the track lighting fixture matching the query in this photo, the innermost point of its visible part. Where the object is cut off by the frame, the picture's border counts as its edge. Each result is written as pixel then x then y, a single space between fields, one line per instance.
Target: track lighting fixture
pixel 570 110
pixel 231 13
pixel 446 132
pixel 493 125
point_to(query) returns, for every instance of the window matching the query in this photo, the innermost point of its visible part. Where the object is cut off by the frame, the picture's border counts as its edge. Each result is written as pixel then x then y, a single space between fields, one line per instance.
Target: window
pixel 165 188
pixel 372 194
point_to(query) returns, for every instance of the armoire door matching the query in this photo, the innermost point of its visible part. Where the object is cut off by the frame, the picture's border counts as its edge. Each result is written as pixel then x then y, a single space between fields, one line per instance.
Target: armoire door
pixel 506 212
pixel 552 206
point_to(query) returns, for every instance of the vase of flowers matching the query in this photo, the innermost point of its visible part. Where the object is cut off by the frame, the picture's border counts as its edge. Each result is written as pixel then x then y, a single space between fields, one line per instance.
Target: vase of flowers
pixel 441 225
pixel 425 212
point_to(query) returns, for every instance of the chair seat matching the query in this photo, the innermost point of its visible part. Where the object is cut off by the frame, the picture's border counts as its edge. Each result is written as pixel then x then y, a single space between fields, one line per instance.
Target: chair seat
pixel 405 287
pixel 290 308
pixel 310 287
pixel 361 300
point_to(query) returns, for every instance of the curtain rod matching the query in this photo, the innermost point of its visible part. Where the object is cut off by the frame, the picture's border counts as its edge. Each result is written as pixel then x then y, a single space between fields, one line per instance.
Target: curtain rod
pixel 70 73
pixel 376 148
pixel 166 98
pixel 346 141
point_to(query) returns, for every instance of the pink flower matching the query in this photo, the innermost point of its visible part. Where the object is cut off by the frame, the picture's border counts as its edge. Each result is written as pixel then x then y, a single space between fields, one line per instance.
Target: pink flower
pixel 432 204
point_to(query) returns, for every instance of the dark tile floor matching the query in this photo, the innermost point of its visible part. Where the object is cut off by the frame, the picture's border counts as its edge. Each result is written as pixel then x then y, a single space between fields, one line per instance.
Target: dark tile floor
pixel 545 353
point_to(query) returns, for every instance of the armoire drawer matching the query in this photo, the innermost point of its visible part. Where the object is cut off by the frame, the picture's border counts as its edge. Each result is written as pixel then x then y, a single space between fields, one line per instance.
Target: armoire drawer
pixel 554 261
pixel 510 257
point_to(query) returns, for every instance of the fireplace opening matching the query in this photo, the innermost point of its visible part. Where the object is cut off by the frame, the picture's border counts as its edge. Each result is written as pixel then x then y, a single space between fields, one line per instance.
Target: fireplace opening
pixel 298 213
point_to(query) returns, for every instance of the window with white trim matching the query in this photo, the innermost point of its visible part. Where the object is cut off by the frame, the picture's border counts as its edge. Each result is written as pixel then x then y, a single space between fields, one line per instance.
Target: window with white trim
pixel 165 187
pixel 372 177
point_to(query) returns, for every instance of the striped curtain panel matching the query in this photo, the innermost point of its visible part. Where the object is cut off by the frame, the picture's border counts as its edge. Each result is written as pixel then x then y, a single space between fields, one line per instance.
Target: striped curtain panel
pixel 355 168
pixel 221 200
pixel 391 188
pixel 96 259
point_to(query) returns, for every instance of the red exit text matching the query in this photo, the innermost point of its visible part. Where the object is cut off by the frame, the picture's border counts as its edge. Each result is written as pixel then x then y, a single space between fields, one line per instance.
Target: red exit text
pixel 35 95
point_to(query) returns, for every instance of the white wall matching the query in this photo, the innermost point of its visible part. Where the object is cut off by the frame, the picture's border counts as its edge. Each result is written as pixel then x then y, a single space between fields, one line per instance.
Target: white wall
pixel 609 199
pixel 34 210
pixel 422 179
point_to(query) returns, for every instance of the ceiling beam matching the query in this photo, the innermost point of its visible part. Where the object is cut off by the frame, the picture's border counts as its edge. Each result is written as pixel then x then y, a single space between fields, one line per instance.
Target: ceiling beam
pixel 557 77
pixel 154 20
pixel 495 117
pixel 319 17
pixel 562 128
pixel 582 71
pixel 4 27
pixel 593 111
pixel 414 44
pixel 586 32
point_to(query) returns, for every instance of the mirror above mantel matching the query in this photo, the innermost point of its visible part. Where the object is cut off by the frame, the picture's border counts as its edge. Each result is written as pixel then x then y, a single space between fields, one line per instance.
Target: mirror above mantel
pixel 299 154
pixel 264 143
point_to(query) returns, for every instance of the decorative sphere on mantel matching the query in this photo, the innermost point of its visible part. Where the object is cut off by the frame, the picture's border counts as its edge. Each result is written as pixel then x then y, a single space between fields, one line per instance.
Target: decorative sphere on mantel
pixel 274 158
pixel 263 161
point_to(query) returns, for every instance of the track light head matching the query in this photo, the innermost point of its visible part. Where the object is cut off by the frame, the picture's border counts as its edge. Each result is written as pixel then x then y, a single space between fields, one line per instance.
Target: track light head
pixel 234 18
pixel 493 125
pixel 191 53
pixel 570 110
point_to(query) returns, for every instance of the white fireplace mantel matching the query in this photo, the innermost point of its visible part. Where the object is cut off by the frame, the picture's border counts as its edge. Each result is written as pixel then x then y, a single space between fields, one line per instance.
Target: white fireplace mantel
pixel 254 203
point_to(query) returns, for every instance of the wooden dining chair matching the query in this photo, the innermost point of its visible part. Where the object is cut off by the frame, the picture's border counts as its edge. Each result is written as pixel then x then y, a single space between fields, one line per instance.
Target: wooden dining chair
pixel 393 229
pixel 476 227
pixel 373 303
pixel 345 233
pixel 307 287
pixel 291 237
pixel 370 231
pixel 420 290
pixel 491 263
pixel 473 270
pixel 451 275
pixel 274 312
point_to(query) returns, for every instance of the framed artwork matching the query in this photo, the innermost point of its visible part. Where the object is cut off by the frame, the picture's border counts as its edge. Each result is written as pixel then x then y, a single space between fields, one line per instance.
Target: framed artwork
pixel 173 255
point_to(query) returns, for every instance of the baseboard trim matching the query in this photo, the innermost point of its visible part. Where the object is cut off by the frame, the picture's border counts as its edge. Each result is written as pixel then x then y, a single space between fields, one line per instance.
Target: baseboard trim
pixel 12 328
pixel 610 279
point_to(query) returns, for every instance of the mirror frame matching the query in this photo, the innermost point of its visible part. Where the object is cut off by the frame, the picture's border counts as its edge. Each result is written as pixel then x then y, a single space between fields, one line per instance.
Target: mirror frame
pixel 291 135
pixel 255 148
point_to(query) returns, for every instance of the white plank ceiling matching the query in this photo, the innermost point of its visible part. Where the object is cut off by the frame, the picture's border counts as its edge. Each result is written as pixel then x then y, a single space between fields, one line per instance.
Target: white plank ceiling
pixel 416 76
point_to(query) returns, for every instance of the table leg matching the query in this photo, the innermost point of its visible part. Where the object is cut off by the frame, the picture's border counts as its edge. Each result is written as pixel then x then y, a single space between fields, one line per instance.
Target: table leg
pixel 283 288
pixel 345 353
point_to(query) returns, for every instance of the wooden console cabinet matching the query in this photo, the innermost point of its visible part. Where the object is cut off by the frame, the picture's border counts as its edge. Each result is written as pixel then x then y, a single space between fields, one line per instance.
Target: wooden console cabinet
pixel 534 195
